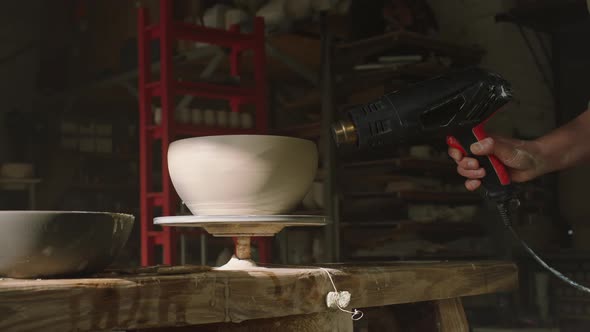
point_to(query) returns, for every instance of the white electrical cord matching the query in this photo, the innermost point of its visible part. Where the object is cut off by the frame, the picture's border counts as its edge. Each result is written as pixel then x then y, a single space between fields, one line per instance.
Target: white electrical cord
pixel 336 299
pixel 341 299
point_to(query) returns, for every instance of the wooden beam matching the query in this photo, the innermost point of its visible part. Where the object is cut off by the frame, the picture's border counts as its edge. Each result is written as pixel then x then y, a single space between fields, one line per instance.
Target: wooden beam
pixel 451 316
pixel 333 321
pixel 146 300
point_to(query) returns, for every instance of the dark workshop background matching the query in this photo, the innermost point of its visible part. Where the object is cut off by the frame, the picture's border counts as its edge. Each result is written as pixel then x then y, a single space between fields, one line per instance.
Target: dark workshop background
pixel 69 108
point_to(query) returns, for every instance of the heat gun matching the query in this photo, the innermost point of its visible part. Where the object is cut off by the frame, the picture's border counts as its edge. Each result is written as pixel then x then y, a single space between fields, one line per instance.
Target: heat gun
pixel 455 106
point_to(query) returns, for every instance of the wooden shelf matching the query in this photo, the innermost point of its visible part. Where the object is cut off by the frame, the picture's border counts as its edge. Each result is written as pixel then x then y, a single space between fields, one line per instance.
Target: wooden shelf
pixel 353 179
pixel 19 181
pixel 355 51
pixel 404 74
pixel 105 186
pixel 411 225
pixel 124 76
pixel 358 81
pixel 310 101
pixel 405 163
pixel 100 155
pixel 421 197
pixel 433 256
pixel 194 130
pixel 310 131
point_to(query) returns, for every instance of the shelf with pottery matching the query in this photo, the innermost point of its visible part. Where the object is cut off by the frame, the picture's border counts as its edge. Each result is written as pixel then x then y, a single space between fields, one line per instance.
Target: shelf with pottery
pixel 365 83
pixel 360 86
pixel 386 71
pixel 25 181
pixel 413 225
pixel 418 249
pixel 99 155
pixel 193 121
pixel 442 255
pixel 18 176
pixel 397 74
pixel 352 52
pixel 420 196
pixel 412 240
pixel 360 82
pixel 127 77
pixel 131 187
pixel 394 244
pixel 309 131
pixel 402 164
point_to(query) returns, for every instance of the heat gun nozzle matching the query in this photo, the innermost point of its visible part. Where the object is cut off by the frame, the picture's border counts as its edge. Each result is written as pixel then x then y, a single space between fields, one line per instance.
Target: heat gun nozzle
pixel 344 132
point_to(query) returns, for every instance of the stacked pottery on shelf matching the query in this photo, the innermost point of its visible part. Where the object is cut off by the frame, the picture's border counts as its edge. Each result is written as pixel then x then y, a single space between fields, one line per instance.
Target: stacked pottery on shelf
pixel 15 171
pixel 208 118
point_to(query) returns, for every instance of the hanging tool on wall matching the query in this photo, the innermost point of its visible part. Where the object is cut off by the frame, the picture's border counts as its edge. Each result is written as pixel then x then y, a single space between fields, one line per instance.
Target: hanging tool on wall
pixel 455 106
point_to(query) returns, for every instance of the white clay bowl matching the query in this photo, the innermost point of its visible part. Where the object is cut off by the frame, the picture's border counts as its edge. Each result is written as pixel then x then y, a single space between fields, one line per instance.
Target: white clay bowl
pixel 242 174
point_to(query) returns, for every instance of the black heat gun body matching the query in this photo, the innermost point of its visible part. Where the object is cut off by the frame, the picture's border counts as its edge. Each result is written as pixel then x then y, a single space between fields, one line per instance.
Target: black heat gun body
pixel 455 106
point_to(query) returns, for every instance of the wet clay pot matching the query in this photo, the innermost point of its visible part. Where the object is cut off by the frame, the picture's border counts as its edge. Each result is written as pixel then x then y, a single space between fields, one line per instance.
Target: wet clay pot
pixel 39 244
pixel 242 174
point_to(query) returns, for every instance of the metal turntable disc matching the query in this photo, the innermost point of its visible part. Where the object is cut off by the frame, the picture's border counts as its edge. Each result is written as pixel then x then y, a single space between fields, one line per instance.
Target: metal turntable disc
pixel 247 225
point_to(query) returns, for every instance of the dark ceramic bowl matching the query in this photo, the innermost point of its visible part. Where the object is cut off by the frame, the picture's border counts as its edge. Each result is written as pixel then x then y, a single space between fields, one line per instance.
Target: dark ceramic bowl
pixel 36 244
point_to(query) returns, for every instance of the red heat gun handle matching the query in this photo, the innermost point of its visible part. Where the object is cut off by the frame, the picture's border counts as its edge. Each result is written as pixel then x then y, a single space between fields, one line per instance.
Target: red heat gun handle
pixel 497 180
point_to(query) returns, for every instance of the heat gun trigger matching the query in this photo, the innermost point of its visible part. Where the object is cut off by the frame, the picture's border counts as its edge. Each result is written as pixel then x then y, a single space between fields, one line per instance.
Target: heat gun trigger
pixel 496 182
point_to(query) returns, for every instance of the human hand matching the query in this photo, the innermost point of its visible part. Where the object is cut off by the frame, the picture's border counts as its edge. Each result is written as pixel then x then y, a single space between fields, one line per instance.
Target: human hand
pixel 522 159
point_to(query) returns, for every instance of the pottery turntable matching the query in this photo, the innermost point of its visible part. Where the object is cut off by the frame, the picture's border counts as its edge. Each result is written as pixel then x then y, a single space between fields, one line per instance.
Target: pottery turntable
pixel 242 186
pixel 242 228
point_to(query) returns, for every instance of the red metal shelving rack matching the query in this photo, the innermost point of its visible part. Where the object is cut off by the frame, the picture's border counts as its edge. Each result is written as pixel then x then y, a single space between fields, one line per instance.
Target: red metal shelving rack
pixel 166 88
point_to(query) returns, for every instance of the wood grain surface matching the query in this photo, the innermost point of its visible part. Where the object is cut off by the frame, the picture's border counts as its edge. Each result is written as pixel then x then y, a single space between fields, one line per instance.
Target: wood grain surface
pixel 199 296
pixel 333 321
pixel 451 316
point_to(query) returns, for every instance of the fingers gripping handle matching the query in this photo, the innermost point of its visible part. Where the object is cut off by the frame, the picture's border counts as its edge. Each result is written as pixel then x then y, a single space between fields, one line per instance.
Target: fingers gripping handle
pixel 497 180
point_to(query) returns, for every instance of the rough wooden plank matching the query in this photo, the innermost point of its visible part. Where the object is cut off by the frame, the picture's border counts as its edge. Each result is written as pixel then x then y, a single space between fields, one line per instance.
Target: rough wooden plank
pixel 451 316
pixel 152 300
pixel 333 321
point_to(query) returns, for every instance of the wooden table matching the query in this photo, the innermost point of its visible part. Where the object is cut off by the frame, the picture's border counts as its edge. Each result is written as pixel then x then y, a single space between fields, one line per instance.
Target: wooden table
pixel 257 299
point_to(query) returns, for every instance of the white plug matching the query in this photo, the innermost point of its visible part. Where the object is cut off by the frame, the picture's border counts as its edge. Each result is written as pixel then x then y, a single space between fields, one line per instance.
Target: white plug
pixel 337 300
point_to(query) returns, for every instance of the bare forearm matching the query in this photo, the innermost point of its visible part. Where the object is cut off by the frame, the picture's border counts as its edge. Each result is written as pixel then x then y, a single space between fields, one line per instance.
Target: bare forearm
pixel 566 146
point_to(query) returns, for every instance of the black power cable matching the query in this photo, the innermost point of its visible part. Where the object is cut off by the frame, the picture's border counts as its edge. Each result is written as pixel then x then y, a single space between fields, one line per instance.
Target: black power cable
pixel 504 212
